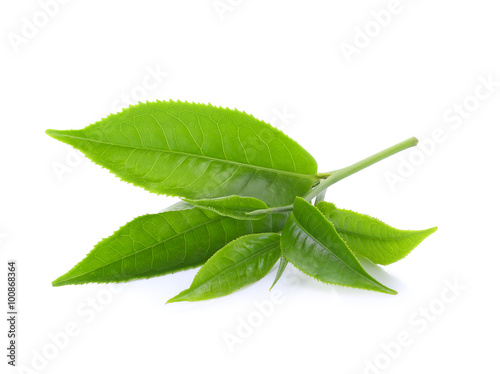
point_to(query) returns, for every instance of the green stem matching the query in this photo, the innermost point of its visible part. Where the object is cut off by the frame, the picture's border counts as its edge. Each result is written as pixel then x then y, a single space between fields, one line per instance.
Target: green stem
pixel 337 175
pixel 340 174
pixel 320 197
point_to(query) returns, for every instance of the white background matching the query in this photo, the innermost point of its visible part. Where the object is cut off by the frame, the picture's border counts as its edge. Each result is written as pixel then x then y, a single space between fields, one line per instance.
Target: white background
pixel 265 58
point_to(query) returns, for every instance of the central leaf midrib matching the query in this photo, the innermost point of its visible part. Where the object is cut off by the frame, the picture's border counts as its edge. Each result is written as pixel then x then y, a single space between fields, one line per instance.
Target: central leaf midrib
pixel 240 164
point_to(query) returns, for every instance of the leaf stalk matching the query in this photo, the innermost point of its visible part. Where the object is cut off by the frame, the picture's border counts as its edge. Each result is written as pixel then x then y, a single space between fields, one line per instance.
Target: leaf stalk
pixel 338 175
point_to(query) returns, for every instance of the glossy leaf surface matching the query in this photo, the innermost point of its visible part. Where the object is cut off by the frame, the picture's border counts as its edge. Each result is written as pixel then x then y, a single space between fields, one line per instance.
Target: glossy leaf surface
pixel 197 151
pixel 156 244
pixel 309 241
pixel 241 262
pixel 370 237
pixel 232 206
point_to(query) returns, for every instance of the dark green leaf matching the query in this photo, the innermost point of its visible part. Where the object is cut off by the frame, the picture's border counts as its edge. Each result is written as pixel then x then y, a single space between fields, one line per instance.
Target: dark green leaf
pixel 309 241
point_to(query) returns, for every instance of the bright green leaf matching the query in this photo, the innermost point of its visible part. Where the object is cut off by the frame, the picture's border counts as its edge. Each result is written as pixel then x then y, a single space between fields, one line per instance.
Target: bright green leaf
pixel 241 262
pixel 371 238
pixel 232 206
pixel 180 238
pixel 309 241
pixel 197 151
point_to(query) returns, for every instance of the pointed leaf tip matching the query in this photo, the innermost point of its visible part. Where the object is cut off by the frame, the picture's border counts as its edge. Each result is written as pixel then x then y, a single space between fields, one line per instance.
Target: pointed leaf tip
pixel 175 299
pixel 51 132
pixel 63 280
pixel 56 283
pixel 57 134
pixel 178 297
pixel 281 269
pixel 390 291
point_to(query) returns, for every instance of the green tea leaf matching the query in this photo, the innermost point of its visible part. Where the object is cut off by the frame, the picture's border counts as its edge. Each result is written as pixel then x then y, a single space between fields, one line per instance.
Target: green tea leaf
pixel 241 262
pixel 309 241
pixel 281 269
pixel 232 206
pixel 371 238
pixel 197 151
pixel 180 238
